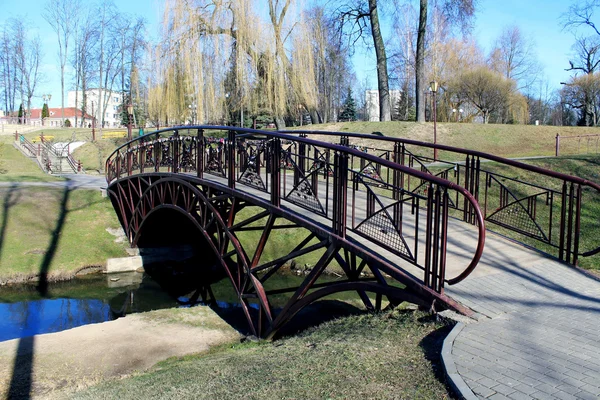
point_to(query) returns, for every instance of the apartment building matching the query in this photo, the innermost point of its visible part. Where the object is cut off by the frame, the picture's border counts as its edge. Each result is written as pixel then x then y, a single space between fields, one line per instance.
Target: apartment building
pixel 113 101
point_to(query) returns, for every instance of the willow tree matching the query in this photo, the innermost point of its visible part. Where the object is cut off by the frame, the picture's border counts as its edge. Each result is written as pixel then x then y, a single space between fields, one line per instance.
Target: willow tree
pixel 213 41
pixel 459 12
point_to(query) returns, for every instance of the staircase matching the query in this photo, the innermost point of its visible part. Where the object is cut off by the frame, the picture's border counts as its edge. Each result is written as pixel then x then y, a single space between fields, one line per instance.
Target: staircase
pixel 50 158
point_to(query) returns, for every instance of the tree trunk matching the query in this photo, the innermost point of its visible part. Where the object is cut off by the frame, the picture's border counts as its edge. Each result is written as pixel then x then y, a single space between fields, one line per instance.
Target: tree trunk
pixel 314 116
pixel 385 109
pixel 420 62
pixel 279 123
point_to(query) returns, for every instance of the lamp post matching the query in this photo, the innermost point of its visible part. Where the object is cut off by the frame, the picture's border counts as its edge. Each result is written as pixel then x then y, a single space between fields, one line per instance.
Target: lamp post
pixel 192 108
pixel 129 119
pixel 434 87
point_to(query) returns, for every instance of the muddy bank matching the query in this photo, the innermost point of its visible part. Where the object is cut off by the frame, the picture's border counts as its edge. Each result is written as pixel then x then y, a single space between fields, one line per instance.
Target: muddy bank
pixel 54 365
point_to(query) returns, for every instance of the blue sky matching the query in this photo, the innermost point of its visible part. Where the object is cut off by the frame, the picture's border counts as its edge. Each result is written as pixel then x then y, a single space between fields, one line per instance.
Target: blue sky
pixel 537 19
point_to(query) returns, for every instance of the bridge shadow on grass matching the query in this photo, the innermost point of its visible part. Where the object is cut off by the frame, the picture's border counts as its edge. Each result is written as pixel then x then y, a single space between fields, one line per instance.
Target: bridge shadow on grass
pixel 432 348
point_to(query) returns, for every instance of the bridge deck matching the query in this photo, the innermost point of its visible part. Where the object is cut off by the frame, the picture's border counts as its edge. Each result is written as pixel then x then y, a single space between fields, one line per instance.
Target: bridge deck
pixel 538 318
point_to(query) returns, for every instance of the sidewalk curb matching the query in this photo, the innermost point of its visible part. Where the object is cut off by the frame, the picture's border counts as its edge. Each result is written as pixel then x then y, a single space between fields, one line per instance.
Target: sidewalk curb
pixel 455 381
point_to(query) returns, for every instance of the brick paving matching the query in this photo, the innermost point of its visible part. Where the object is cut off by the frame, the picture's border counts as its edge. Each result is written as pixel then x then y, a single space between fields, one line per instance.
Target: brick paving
pixel 538 333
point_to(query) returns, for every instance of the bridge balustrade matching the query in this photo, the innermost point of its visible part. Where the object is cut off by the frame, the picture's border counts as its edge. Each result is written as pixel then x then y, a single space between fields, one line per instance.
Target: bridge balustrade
pixel 535 206
pixel 356 193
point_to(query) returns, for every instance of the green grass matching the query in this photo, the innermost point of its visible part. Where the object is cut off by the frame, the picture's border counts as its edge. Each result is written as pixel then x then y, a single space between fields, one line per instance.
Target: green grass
pixel 14 167
pixel 93 155
pixel 54 230
pixel 501 140
pixel 382 356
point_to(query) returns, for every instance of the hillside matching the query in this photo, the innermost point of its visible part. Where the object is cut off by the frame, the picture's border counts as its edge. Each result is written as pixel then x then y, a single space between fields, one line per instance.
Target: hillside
pixel 503 140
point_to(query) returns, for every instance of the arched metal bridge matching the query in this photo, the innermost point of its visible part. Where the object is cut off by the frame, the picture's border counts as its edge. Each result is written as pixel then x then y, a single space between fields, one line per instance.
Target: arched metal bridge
pixel 398 225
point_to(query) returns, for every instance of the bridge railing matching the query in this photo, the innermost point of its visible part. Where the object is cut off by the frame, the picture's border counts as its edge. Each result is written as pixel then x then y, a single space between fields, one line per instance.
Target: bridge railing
pixel 359 195
pixel 532 205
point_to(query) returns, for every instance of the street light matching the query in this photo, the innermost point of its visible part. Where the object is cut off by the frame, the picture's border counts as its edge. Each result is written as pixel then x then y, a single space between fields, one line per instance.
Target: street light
pixel 129 119
pixel 192 108
pixel 433 86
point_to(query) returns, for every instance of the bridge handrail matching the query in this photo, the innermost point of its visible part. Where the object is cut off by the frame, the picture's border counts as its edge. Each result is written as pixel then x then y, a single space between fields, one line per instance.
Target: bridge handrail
pixel 479 219
pixel 502 160
pixel 473 153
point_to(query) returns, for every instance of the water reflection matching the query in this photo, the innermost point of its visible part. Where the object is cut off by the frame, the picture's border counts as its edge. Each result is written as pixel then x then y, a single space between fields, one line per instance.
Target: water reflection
pixel 95 299
pixel 28 318
pixel 79 302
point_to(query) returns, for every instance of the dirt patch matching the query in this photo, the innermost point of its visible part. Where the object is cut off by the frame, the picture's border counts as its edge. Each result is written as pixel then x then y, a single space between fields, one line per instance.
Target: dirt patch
pixel 57 364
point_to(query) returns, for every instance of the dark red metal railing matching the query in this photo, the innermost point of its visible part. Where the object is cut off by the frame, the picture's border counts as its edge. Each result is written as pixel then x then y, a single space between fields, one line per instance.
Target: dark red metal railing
pixel 368 204
pixel 525 202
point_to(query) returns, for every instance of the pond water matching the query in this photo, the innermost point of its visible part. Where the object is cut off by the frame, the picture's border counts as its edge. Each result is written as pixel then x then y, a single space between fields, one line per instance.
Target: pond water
pixel 81 301
pixel 99 298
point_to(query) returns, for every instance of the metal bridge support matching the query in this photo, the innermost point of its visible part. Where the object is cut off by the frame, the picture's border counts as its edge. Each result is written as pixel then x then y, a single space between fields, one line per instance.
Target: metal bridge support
pixel 223 217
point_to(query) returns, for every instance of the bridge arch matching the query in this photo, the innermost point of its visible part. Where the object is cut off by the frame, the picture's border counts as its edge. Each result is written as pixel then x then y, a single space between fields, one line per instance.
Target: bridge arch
pixel 213 212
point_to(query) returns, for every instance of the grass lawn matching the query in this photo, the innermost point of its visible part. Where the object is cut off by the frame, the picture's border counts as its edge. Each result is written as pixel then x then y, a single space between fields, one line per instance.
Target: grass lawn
pixel 378 356
pixel 498 139
pixel 54 230
pixel 14 167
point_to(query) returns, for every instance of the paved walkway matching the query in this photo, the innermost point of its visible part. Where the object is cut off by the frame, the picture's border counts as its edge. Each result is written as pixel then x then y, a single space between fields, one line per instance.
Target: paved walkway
pixel 72 181
pixel 538 333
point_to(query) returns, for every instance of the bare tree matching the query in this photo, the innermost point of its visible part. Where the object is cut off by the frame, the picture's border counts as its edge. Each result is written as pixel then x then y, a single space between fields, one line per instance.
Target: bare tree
pixel 83 60
pixel 60 14
pixel 580 91
pixel 31 68
pixel 8 70
pixel 581 14
pixel 359 18
pixel 513 57
pixel 332 64
pixel 19 37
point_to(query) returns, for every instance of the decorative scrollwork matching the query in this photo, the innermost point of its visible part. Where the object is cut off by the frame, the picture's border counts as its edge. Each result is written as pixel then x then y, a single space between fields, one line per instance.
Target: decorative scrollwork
pixel 188 162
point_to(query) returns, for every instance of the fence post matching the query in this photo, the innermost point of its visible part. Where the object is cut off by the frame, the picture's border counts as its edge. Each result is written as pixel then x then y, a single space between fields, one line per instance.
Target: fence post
pixel 78 165
pixel 557 149
pixel 230 147
pixel 16 136
pixel 175 152
pixel 275 160
pixel 340 193
pixel 200 149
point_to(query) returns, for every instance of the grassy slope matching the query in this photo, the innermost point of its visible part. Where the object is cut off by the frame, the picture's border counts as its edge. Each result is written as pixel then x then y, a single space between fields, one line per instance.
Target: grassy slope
pixel 33 237
pixel 14 167
pixel 366 356
pixel 502 140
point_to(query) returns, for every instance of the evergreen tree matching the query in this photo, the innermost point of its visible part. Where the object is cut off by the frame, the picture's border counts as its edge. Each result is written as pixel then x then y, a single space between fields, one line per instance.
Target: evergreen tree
pixel 45 112
pixel 349 110
pixel 21 112
pixel 404 109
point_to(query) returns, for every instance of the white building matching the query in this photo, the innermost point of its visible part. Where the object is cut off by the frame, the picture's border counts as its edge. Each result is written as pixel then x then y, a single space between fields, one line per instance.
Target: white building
pixel 113 101
pixel 372 103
